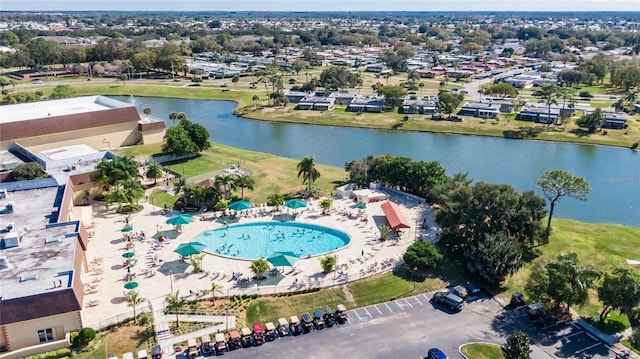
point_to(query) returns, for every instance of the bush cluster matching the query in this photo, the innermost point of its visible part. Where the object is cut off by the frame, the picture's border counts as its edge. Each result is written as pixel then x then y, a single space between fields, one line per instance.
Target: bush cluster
pixel 60 353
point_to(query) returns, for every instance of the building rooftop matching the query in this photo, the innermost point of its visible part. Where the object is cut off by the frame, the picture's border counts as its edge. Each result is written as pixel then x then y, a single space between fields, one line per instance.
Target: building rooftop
pixel 43 253
pixel 63 107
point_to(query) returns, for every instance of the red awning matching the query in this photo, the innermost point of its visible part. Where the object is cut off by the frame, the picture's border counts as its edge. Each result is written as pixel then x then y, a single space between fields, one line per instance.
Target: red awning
pixel 394 215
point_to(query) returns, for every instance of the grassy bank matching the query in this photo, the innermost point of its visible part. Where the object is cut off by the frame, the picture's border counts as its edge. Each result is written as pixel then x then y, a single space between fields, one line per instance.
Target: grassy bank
pixel 506 126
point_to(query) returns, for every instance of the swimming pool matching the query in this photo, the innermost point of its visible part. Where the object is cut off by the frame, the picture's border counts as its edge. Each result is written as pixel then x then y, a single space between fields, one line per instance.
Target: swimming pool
pixel 261 239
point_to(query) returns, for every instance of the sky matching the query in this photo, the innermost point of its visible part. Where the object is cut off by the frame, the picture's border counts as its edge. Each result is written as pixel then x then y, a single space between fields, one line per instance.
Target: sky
pixel 323 5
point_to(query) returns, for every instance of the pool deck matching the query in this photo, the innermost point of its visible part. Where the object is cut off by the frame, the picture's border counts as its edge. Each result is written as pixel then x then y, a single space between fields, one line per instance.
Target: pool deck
pixel 107 274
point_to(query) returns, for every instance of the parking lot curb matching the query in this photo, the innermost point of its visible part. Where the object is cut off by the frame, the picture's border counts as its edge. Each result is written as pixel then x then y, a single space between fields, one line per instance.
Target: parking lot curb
pixel 464 356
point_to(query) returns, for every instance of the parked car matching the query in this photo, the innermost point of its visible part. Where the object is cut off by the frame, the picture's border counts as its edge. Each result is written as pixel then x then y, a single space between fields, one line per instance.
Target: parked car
pixel 283 327
pixel 258 334
pixel 37 82
pixel 456 119
pixel 307 323
pixel 473 291
pixel 540 315
pixel 294 324
pixel 142 354
pixel 455 89
pixel 235 342
pixel 613 97
pixel 221 343
pixel 437 117
pixel 464 92
pixel 435 353
pixel 449 300
pixel 341 314
pixel 329 317
pixel 270 332
pixel 318 319
pixel 205 345
pixel 245 339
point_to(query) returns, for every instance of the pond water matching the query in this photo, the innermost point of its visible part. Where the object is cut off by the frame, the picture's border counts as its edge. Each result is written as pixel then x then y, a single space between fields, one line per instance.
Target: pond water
pixel 614 173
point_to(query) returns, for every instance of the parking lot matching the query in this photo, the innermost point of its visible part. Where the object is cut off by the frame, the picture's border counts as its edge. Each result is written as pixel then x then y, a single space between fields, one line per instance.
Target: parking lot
pixel 563 340
pixel 408 327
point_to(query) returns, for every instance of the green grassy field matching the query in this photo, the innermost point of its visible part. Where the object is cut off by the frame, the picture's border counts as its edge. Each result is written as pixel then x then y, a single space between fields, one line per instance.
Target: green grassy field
pixel 482 351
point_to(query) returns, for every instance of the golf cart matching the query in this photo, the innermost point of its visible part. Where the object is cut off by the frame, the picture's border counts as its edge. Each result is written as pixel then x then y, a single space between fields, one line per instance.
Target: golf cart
pixel 283 327
pixel 517 300
pixel 246 337
pixel 156 352
pixel 307 323
pixel 234 340
pixel 329 317
pixel 294 324
pixel 318 319
pixel 341 314
pixel 192 344
pixel 258 334
pixel 205 345
pixel 270 332
pixel 221 343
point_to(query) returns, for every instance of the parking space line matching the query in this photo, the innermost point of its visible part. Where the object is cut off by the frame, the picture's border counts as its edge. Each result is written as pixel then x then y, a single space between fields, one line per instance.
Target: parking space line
pixel 592 337
pixel 398 304
pixel 550 326
pixel 357 315
pixel 366 311
pixel 417 300
pixel 587 348
pixel 388 307
pixel 571 335
pixel 409 304
pixel 378 309
pixel 425 297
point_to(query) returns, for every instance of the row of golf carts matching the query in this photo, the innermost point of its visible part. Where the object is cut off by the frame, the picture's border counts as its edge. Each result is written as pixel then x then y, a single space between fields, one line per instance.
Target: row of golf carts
pixel 259 335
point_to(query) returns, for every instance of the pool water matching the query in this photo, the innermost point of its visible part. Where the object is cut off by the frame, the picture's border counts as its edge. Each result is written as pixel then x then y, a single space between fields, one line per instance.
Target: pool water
pixel 261 239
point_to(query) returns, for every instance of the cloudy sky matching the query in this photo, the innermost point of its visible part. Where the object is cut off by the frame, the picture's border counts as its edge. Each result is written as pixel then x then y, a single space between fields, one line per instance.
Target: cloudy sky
pixel 326 5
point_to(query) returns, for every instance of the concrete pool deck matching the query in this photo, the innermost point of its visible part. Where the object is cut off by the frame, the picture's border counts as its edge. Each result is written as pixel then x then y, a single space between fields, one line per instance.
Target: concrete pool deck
pixel 107 274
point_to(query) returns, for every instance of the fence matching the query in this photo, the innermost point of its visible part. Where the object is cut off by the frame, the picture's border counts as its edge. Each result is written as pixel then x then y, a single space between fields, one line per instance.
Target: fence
pixel 118 318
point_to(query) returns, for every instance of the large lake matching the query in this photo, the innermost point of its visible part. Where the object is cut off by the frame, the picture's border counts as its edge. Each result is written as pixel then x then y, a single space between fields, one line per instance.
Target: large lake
pixel 614 173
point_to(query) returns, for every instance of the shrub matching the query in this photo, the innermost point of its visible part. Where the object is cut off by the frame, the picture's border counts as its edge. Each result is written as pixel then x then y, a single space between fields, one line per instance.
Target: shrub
pixel 60 353
pixel 86 335
pixel 73 337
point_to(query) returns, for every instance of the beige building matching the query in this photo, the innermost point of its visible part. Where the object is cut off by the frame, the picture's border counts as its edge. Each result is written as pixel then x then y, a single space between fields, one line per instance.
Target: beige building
pixel 97 121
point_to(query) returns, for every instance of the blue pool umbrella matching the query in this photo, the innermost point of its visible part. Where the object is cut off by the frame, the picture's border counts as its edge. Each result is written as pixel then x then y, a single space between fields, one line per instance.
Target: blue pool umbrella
pixel 295 203
pixel 188 249
pixel 240 205
pixel 282 259
pixel 180 220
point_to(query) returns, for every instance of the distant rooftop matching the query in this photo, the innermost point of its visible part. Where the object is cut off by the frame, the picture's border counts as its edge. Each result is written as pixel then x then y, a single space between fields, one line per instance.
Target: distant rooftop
pixel 63 107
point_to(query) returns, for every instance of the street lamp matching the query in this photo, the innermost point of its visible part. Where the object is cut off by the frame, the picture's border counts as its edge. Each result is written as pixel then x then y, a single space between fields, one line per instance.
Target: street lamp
pixel 414 278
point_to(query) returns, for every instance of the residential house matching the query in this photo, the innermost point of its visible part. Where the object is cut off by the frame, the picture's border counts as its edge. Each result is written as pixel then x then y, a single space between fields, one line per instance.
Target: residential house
pixel 296 96
pixel 506 105
pixel 424 107
pixel 480 109
pixel 539 114
pixel 343 98
pixel 316 103
pixel 617 121
pixel 367 104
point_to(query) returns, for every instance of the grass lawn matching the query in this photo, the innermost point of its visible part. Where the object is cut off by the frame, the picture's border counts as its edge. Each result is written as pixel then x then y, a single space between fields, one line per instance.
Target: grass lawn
pixel 391 285
pixel 272 174
pixel 627 344
pixel 117 341
pixel 269 309
pixel 600 245
pixel 482 351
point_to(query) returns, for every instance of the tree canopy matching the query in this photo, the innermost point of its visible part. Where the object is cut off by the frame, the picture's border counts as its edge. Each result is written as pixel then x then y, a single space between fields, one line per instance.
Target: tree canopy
pixel 28 171
pixel 185 139
pixel 620 290
pixel 335 78
pixel 517 346
pixel 392 94
pixel 448 101
pixel 423 255
pixel 501 89
pixel 557 184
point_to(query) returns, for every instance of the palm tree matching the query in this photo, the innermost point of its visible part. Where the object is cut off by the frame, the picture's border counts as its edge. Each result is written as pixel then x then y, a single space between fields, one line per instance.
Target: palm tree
pixel 576 278
pixel 566 93
pixel 214 287
pixel 155 171
pixel 307 169
pixel 196 262
pixel 245 181
pixel 547 95
pixel 420 87
pixel 256 98
pixel 173 116
pixel 175 304
pixel 258 267
pixel 109 173
pixel 631 97
pixel 133 300
pixel 228 182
